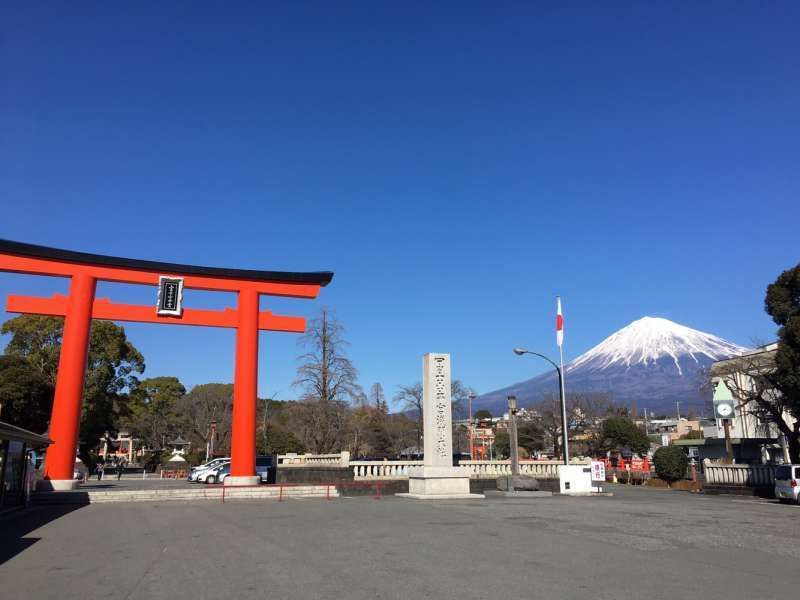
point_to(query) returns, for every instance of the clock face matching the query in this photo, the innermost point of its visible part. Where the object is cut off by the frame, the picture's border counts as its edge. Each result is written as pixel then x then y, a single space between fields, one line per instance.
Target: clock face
pixel 724 410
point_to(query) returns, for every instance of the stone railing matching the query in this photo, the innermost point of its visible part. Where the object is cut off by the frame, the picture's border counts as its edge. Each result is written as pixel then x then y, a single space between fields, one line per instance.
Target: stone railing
pixel 479 469
pixel 382 469
pixel 743 475
pixel 341 459
pixel 542 469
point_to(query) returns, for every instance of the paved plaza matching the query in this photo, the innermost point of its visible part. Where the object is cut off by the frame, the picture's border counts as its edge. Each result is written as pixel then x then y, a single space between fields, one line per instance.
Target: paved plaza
pixel 639 543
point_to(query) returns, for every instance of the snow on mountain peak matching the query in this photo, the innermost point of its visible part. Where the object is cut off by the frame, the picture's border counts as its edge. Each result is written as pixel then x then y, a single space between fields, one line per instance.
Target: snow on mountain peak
pixel 649 339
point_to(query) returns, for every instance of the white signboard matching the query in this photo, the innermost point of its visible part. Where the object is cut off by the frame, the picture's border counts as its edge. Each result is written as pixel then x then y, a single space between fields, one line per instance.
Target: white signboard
pixel 598 470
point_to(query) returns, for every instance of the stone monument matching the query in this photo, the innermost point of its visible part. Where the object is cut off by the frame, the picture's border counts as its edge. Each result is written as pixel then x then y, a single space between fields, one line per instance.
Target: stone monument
pixel 437 478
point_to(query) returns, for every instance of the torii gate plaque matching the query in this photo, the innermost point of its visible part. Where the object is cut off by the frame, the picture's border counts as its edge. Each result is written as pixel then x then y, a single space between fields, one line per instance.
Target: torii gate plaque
pixel 80 307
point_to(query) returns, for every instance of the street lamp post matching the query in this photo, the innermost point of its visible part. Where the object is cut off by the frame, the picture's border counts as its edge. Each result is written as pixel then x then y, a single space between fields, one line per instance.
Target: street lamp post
pixel 564 435
pixel 512 416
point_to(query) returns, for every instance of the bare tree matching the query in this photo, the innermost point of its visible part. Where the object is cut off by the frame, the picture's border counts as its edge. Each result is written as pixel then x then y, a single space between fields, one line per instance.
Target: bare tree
pixel 325 373
pixel 459 395
pixel 204 404
pixel 330 384
pixel 550 414
pixel 410 398
pixel 584 412
pixel 377 398
pixel 322 426
pixel 750 380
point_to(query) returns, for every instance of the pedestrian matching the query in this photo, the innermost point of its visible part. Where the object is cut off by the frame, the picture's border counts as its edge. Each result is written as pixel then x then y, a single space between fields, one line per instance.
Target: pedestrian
pixel 99 470
pixel 30 478
pixel 120 466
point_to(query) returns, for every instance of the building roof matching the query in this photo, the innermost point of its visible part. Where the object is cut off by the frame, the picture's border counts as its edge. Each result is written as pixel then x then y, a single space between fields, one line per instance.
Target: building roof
pixel 321 278
pixel 18 434
pixel 756 359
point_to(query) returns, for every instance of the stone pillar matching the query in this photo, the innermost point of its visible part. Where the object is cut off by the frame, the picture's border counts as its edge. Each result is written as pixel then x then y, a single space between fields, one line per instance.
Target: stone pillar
pixel 437 478
pixel 437 419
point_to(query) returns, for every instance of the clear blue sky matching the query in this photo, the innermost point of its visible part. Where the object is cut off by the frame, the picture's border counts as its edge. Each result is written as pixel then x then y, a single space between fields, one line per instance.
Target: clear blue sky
pixel 456 165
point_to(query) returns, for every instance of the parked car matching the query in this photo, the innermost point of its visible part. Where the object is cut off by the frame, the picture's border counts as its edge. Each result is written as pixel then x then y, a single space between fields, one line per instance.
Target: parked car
pixel 787 483
pixel 266 469
pixel 219 474
pixel 201 472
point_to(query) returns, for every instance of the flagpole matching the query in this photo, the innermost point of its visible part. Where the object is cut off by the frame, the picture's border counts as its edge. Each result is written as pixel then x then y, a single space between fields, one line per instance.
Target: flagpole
pixel 564 424
pixel 564 409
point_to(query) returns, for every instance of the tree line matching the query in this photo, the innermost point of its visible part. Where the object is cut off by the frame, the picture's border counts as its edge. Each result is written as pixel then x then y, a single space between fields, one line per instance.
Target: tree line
pixel 332 412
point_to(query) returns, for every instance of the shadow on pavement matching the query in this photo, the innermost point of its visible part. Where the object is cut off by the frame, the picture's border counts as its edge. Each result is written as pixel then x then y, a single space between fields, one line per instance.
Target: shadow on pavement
pixel 17 524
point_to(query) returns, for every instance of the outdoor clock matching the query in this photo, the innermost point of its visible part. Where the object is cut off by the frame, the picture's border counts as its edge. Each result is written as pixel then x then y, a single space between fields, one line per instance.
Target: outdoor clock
pixel 723 410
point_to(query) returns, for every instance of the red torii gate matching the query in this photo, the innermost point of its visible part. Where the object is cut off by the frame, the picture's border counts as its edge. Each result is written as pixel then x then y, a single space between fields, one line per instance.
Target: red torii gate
pixel 80 307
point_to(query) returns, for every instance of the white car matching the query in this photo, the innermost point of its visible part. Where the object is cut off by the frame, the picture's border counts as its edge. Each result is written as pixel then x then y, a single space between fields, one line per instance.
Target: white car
pixel 201 472
pixel 787 483
pixel 218 474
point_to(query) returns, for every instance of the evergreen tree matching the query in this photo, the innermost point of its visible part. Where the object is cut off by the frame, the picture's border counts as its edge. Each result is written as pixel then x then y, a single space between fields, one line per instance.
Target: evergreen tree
pixel 112 367
pixel 26 396
pixel 620 432
pixel 782 303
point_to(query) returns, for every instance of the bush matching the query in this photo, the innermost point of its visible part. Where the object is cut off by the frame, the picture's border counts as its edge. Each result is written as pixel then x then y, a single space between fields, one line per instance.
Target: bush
pixel 670 463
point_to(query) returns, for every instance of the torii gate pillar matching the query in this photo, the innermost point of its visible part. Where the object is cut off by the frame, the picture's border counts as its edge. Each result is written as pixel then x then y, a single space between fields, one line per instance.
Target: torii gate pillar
pixel 245 392
pixel 66 414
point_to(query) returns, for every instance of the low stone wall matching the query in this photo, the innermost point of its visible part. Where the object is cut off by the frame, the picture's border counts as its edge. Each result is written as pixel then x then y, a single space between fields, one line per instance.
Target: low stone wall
pixel 400 486
pixel 740 490
pixel 739 480
pixel 218 493
pixel 490 470
pixel 742 475
pixel 312 474
pixel 341 459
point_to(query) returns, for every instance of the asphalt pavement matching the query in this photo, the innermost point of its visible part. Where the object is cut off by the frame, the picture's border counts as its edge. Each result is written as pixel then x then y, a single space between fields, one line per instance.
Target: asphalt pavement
pixel 640 542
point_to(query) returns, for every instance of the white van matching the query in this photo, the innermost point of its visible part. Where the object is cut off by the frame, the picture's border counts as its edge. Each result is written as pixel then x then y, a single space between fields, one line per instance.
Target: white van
pixel 787 483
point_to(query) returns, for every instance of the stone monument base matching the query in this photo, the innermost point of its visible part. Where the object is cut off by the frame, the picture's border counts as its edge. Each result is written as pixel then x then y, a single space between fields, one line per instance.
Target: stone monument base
pixel 242 480
pixel 511 483
pixel 438 483
pixel 57 485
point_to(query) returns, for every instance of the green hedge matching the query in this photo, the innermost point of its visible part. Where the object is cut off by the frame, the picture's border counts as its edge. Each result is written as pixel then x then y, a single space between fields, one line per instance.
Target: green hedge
pixel 670 463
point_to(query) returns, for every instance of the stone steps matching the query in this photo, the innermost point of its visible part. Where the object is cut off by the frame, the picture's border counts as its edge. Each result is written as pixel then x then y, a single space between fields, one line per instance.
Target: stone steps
pixel 197 493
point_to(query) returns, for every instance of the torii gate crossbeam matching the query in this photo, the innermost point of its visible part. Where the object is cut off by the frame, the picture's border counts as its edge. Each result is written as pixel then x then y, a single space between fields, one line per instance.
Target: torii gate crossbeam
pixel 80 307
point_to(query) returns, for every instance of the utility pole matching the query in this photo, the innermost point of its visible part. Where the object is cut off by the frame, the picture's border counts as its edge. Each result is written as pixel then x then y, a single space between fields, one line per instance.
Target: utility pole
pixel 213 429
pixel 471 429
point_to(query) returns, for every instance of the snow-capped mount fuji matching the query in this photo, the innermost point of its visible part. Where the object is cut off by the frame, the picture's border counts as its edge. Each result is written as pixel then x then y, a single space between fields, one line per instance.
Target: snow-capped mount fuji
pixel 652 361
pixel 651 340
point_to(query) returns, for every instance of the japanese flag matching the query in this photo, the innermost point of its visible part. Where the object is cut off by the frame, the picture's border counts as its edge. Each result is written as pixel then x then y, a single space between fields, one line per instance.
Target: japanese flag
pixel 559 323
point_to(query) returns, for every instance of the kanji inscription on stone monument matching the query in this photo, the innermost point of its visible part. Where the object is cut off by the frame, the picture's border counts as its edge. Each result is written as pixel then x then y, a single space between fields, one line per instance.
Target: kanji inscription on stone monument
pixel 436 410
